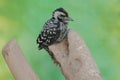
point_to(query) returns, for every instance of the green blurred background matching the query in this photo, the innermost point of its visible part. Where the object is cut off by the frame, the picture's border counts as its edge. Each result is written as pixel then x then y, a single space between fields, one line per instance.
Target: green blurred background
pixel 97 21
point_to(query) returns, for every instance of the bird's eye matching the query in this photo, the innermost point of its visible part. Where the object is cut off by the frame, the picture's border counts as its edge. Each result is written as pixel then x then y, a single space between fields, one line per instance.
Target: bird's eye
pixel 62 15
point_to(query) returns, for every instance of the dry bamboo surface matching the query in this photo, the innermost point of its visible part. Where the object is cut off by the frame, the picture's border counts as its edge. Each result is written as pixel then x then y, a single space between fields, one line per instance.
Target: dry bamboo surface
pixel 17 63
pixel 72 55
pixel 75 59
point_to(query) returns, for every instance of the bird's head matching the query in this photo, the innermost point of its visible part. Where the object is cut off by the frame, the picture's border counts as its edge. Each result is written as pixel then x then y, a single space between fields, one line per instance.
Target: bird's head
pixel 61 15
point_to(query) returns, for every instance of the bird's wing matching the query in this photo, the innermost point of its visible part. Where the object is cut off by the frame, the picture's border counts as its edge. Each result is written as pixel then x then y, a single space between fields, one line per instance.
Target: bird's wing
pixel 48 35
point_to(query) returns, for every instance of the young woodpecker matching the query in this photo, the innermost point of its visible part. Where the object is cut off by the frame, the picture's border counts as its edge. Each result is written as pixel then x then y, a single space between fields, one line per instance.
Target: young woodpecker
pixel 55 29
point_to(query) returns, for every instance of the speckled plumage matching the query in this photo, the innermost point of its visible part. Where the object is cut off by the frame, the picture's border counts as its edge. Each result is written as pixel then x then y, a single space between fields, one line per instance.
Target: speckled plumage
pixel 54 30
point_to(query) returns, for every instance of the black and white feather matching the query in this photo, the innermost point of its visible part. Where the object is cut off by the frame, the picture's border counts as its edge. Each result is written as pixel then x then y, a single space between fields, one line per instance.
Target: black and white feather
pixel 54 30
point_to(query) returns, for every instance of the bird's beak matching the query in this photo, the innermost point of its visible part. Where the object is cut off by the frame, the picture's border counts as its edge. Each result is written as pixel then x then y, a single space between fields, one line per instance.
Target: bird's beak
pixel 69 19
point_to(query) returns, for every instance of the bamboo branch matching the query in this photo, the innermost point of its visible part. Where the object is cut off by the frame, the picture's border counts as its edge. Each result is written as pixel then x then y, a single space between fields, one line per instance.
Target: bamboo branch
pixel 17 63
pixel 74 58
pixel 71 54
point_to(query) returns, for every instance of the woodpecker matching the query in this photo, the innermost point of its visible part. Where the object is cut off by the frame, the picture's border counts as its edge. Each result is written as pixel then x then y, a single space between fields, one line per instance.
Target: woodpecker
pixel 55 29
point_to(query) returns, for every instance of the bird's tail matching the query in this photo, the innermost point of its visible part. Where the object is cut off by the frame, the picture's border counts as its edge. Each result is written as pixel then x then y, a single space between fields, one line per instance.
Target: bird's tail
pixel 39 44
pixel 40 47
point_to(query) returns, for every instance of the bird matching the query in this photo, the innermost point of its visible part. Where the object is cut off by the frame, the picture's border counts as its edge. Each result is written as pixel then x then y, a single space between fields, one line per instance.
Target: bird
pixel 55 29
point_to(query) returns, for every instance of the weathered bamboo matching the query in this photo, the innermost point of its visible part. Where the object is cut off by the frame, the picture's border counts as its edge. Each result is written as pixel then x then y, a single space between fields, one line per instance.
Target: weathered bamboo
pixel 17 63
pixel 75 59
pixel 71 54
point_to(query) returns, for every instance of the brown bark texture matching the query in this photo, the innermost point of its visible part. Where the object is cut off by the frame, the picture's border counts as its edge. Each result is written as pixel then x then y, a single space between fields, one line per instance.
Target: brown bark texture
pixel 72 55
pixel 75 59
pixel 17 63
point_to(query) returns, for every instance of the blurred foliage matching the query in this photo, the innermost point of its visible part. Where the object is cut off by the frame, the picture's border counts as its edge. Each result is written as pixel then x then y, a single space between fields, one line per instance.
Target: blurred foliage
pixel 97 21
